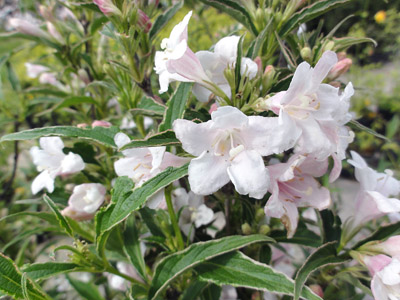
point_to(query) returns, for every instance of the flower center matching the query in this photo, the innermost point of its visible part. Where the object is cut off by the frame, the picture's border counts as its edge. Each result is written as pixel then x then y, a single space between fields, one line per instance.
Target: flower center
pixel 228 143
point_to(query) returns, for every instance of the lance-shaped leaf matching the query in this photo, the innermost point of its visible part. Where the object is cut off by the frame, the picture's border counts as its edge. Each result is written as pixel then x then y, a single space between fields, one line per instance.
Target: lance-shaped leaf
pixel 49 269
pixel 323 256
pixel 126 202
pixel 149 107
pixel 176 106
pixel 238 270
pixel 342 44
pixel 382 233
pixel 86 289
pixel 257 44
pixel 74 100
pixel 159 139
pixel 172 266
pixel 61 219
pixel 163 19
pixel 308 13
pixel 11 279
pixel 235 10
pixel 104 136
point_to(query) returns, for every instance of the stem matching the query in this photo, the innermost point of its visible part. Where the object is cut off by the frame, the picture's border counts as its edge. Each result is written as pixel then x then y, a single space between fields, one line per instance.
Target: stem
pixel 114 271
pixel 172 215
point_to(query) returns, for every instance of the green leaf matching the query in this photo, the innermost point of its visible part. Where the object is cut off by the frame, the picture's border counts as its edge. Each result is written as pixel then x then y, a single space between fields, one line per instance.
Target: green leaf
pixel 10 282
pixel 308 13
pixel 257 44
pixel 49 269
pixel 342 44
pixel 163 19
pixel 194 290
pixel 303 236
pixel 62 221
pixel 149 107
pixel 41 215
pixel 176 106
pixel 149 218
pixel 132 248
pixel 238 270
pixel 235 10
pixel 86 289
pixel 173 265
pixel 159 139
pixel 104 136
pixel 125 203
pixel 74 100
pixel 361 127
pixel 238 66
pixel 323 256
pixel 332 226
pixel 382 233
pixel 211 292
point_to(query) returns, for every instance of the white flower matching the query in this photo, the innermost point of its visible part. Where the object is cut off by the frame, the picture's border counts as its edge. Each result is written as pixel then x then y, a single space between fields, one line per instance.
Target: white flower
pixel 119 283
pixel 34 70
pixel 28 28
pixel 230 147
pixel 85 200
pixel 293 185
pixel 373 199
pixel 141 164
pixel 318 110
pixel 214 64
pixel 194 210
pixel 51 162
pixel 385 284
pixel 178 62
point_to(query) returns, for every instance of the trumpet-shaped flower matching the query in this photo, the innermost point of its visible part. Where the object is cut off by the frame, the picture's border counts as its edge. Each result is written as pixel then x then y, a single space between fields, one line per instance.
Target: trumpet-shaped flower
pixel 194 210
pixel 373 199
pixel 107 7
pixel 385 271
pixel 293 185
pixel 214 64
pixel 85 200
pixel 178 62
pixel 319 111
pixel 28 28
pixel 141 164
pixel 230 147
pixel 51 161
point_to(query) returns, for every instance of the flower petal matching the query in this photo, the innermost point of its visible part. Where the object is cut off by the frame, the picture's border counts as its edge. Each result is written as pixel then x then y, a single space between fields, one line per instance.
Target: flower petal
pixel 72 163
pixel 324 65
pixel 203 216
pixel 249 175
pixel 229 117
pixel 207 174
pixel 195 138
pixel 43 180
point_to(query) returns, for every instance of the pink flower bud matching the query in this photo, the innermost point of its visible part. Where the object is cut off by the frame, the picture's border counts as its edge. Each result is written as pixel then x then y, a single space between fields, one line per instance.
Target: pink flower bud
pixel 389 247
pixel 213 107
pixel 258 61
pixel 54 33
pixel 144 21
pixel 269 70
pixel 98 123
pixel 82 125
pixel 107 7
pixel 340 68
pixel 317 289
pixel 27 28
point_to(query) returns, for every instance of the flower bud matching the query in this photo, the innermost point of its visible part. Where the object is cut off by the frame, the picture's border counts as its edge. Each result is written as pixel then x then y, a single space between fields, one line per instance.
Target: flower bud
pixel 54 33
pixel 389 247
pixel 264 229
pixel 46 13
pixel 317 289
pixel 82 125
pixel 260 214
pixel 306 53
pixel 83 75
pixel 28 28
pixel 107 7
pixel 329 46
pixel 144 21
pixel 258 62
pixel 341 67
pixel 98 123
pixel 246 229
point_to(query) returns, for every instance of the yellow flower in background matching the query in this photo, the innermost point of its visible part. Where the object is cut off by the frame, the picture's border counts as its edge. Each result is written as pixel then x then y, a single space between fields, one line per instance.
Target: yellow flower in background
pixel 380 16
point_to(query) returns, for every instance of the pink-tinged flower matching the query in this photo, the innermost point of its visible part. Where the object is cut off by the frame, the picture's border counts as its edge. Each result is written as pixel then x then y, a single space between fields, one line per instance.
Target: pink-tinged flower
pixel 178 62
pixel 373 199
pixel 28 28
pixel 214 64
pixel 194 211
pixel 217 225
pixel 101 123
pixel 33 70
pixel 84 201
pixel 293 185
pixel 340 68
pixel 230 147
pixel 144 21
pixel 51 161
pixel 107 7
pixel 385 271
pixel 228 293
pixel 389 247
pixel 54 32
pixel 319 111
pixel 142 164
